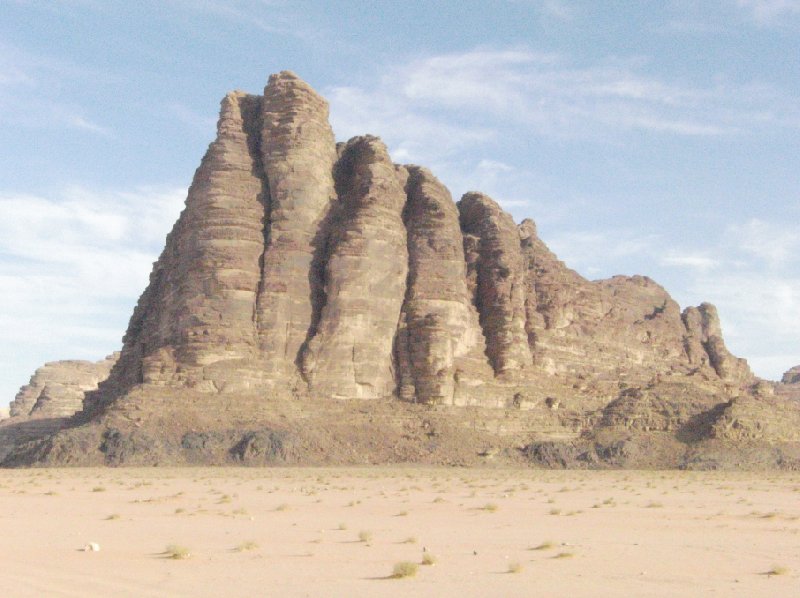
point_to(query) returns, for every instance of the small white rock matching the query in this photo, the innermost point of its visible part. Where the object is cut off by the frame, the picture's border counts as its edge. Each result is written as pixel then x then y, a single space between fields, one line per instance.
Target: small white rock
pixel 92 547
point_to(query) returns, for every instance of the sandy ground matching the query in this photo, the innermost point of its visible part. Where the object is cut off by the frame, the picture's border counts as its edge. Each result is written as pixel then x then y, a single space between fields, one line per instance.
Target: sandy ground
pixel 339 532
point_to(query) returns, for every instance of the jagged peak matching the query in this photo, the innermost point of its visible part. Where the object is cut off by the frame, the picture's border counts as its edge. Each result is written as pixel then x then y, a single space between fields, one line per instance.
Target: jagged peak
pixel 287 86
pixel 527 229
pixel 306 268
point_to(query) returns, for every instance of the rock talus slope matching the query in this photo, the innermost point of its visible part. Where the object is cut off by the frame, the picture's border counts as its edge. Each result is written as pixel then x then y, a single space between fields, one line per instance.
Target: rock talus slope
pixel 305 276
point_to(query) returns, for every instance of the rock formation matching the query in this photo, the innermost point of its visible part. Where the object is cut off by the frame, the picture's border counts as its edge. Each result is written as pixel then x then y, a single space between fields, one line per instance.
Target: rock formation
pixel 303 276
pixel 57 388
pixel 791 376
pixel 350 353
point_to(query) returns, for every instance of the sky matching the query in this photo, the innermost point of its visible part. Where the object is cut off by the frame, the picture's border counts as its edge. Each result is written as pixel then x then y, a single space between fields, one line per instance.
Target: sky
pixel 643 137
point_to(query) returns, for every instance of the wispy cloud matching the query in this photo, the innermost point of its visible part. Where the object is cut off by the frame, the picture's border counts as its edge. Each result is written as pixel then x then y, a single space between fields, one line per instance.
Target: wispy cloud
pixel 71 267
pixel 770 11
pixel 27 96
pixel 269 16
pixel 446 100
pixel 699 261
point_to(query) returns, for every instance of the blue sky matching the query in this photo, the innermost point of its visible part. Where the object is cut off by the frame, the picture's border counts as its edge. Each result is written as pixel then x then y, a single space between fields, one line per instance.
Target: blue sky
pixel 657 138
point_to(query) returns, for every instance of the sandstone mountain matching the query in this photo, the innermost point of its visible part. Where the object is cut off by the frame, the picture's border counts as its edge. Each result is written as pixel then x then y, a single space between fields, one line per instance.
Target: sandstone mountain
pixel 317 303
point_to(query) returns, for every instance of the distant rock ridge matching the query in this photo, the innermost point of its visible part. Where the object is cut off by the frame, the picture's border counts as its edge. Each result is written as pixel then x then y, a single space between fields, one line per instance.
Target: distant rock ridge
pixel 791 376
pixel 305 269
pixel 57 388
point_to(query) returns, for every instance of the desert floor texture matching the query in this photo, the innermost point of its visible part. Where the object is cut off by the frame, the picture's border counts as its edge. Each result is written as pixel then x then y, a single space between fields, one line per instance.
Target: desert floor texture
pixel 340 532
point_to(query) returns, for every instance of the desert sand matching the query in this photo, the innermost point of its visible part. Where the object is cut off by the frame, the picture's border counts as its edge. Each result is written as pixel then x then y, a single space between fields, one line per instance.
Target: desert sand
pixel 340 532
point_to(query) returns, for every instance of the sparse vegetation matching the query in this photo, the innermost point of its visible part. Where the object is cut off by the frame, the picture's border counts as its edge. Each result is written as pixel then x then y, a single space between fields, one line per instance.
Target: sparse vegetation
pixel 365 536
pixel 564 555
pixel 404 569
pixel 428 559
pixel 246 546
pixel 177 552
pixel 514 567
pixel 113 517
pixel 778 570
pixel 491 507
pixel 546 545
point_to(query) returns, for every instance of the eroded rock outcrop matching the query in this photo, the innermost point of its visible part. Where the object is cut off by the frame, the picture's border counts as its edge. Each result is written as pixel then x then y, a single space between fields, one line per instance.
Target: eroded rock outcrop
pixel 791 376
pixel 298 153
pixel 302 272
pixel 350 356
pixel 57 388
pixel 495 277
pixel 303 267
pixel 704 345
pixel 440 346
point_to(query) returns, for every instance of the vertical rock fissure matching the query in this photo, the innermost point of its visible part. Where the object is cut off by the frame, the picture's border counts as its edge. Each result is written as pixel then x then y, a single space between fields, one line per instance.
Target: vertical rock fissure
pixel 365 276
pixel 496 259
pixel 441 331
pixel 298 154
pixel 317 281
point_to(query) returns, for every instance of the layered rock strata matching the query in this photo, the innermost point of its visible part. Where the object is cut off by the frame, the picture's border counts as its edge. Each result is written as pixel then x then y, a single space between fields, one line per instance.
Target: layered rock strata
pixel 298 153
pixel 350 355
pixel 495 276
pixel 300 267
pixel 791 376
pixel 440 346
pixel 57 388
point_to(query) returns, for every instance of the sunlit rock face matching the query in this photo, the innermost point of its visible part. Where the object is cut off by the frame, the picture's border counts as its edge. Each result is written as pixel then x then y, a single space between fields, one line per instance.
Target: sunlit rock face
pixel 303 267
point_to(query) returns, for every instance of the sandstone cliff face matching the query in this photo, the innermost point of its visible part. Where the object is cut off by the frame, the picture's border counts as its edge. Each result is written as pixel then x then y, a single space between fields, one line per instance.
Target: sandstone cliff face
pixel 624 328
pixel 197 311
pixel 704 345
pixel 495 276
pixel 440 346
pixel 57 388
pixel 303 273
pixel 791 376
pixel 350 356
pixel 303 268
pixel 298 154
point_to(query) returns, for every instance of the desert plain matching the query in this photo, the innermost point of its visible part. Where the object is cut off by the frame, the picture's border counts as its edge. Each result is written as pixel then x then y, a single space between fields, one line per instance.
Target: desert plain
pixel 341 532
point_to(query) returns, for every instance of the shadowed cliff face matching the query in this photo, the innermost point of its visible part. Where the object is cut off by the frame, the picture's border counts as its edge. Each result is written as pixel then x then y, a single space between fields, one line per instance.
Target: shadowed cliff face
pixel 301 268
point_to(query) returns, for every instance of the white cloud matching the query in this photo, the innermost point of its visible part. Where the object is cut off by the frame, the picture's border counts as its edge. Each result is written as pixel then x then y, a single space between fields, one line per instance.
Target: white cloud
pixel 558 9
pixel 263 15
pixel 192 118
pixel 770 11
pixel 71 268
pixel 589 250
pixel 773 244
pixel 411 134
pixel 696 261
pixel 447 100
pixel 27 98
